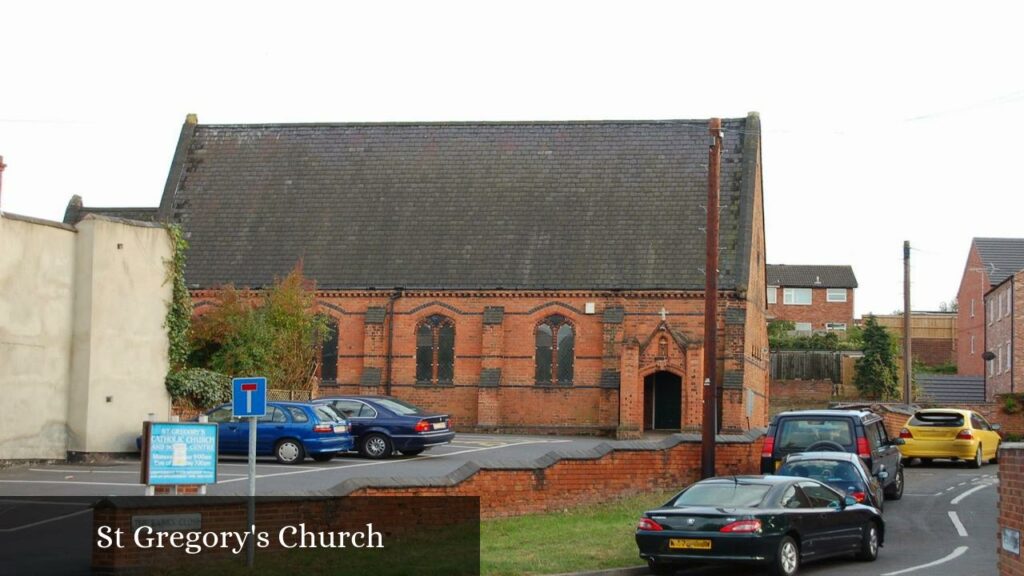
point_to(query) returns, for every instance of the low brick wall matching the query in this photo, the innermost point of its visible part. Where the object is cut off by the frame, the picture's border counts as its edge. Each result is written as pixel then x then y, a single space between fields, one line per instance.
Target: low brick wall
pixel 557 481
pixel 1011 506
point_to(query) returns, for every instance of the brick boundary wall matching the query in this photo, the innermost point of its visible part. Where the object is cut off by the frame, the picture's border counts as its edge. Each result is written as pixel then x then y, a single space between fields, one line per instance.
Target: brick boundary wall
pixel 564 480
pixel 1011 505
pixel 801 390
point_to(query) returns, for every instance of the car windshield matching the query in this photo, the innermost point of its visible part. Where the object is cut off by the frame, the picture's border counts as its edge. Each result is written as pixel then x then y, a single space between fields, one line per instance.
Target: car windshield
pixel 325 413
pixel 804 432
pixel 398 407
pixel 723 495
pixel 938 419
pixel 834 472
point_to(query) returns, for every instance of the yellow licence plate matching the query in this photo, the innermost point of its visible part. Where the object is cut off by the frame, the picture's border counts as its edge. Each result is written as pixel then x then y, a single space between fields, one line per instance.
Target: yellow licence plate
pixel 688 544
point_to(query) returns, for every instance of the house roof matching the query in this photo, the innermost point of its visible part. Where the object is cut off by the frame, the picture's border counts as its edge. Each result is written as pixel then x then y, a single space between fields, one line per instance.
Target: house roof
pixel 810 276
pixel 1001 256
pixel 478 205
pixel 75 212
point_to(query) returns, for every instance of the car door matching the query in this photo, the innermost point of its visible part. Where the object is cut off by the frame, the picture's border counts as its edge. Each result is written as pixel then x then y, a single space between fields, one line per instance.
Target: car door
pixel 804 518
pixel 839 529
pixel 227 430
pixel 883 452
pixel 270 428
pixel 359 414
pixel 989 438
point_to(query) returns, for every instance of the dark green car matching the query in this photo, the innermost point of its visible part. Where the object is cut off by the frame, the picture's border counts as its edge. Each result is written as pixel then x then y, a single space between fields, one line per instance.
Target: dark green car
pixel 775 521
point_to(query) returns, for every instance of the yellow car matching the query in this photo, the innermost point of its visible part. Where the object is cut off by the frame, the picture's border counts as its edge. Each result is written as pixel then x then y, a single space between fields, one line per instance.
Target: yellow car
pixel 950 433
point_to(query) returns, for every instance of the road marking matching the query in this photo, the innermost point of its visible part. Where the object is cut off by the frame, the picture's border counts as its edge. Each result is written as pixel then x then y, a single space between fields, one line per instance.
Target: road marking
pixel 47 521
pixel 951 556
pixel 71 482
pixel 379 463
pixel 968 493
pixel 958 524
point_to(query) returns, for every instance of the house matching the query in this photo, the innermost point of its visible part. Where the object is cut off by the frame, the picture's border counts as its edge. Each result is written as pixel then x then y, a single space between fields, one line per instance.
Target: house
pixel 531 276
pixel 990 261
pixel 1004 336
pixel 814 298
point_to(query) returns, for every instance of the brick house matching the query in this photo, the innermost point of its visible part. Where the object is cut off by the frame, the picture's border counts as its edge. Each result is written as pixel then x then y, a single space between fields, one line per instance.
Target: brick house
pixel 990 261
pixel 533 276
pixel 815 298
pixel 1004 325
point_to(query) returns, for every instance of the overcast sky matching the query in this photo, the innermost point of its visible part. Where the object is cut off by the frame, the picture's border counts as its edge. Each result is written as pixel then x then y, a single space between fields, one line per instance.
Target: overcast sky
pixel 883 122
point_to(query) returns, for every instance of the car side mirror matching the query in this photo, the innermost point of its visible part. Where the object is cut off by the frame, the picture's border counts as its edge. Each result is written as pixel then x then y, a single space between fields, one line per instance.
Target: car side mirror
pixel 996 427
pixel 899 442
pixel 882 475
pixel 849 501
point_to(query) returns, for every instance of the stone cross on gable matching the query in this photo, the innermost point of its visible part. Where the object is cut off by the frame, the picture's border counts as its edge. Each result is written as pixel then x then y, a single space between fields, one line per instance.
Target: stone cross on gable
pixel 664 314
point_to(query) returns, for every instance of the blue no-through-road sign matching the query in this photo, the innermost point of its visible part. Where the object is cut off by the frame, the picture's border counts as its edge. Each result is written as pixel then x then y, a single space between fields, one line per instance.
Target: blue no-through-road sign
pixel 249 396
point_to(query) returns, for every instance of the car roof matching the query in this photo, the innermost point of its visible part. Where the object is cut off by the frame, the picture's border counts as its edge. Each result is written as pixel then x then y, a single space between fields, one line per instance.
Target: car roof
pixel 804 456
pixel 748 479
pixel 354 397
pixel 941 410
pixel 840 413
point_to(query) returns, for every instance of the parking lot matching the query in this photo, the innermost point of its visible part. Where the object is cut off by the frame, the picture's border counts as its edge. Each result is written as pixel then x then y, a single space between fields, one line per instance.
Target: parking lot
pixel 122 478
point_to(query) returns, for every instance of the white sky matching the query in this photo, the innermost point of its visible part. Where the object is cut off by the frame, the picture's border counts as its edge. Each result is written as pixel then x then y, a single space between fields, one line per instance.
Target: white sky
pixel 883 122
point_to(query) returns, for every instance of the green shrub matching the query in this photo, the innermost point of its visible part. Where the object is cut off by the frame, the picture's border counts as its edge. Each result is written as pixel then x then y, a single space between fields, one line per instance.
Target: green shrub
pixel 200 387
pixel 1011 404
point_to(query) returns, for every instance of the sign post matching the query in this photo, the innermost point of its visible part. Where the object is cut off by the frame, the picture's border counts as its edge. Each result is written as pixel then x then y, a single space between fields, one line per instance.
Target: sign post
pixel 249 400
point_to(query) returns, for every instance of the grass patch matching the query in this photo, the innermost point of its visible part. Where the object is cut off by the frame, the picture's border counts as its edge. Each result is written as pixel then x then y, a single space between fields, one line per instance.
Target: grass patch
pixel 586 538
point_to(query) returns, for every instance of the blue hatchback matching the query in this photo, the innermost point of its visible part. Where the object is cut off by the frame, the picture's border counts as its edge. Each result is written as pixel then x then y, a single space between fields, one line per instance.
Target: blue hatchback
pixel 382 424
pixel 289 431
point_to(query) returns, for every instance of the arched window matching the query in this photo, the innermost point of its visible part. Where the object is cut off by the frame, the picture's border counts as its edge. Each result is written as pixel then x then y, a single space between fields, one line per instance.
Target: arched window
pixel 555 351
pixel 329 353
pixel 435 351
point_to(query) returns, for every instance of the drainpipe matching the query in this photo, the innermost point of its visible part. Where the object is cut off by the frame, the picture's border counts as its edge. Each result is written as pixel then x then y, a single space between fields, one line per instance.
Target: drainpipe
pixel 391 337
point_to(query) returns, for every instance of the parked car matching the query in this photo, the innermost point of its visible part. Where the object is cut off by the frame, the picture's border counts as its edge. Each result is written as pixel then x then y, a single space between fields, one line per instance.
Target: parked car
pixel 859 432
pixel 950 433
pixel 776 521
pixel 843 471
pixel 382 424
pixel 289 431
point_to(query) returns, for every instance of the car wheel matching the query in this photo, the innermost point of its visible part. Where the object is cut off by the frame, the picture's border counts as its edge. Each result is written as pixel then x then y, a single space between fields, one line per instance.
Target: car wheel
pixel 995 458
pixel 977 462
pixel 289 451
pixel 375 446
pixel 323 457
pixel 924 461
pixel 787 557
pixel 869 543
pixel 895 490
pixel 660 569
pixel 416 452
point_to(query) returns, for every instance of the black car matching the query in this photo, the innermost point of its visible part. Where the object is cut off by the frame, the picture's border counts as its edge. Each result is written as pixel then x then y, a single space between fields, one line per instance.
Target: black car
pixel 382 424
pixel 859 432
pixel 774 521
pixel 843 471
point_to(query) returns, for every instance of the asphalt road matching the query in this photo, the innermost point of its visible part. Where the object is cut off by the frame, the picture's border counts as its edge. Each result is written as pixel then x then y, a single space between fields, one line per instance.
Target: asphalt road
pixel 922 539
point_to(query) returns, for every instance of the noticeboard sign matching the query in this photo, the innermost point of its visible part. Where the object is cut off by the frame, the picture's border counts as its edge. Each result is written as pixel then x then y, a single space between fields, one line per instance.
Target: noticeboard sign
pixel 179 453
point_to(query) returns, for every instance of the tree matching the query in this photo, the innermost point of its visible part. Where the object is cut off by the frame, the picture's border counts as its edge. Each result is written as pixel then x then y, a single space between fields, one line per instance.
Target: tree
pixel 273 334
pixel 876 373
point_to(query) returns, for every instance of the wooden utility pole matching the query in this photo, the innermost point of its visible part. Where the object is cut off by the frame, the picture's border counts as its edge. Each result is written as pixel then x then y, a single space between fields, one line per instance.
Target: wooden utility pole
pixel 710 424
pixel 908 362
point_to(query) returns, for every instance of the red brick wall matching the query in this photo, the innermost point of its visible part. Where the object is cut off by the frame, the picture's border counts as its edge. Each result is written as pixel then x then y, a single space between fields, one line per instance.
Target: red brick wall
pixel 570 483
pixel 1011 505
pixel 933 351
pixel 786 391
pixel 970 320
pixel 819 312
pixel 998 332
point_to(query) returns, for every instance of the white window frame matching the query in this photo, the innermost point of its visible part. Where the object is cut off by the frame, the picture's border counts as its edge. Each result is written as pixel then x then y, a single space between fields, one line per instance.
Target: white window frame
pixel 999 359
pixel 832 295
pixel 972 344
pixel 835 326
pixel 789 296
pixel 972 307
pixel 1009 357
pixel 773 294
pixel 990 311
pixel 810 326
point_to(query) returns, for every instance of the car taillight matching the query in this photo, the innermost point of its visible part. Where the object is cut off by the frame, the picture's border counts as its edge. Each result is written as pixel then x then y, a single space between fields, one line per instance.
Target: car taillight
pixel 649 525
pixel 742 526
pixel 422 426
pixel 323 428
pixel 905 433
pixel 768 447
pixel 862 448
pixel 858 496
pixel 965 434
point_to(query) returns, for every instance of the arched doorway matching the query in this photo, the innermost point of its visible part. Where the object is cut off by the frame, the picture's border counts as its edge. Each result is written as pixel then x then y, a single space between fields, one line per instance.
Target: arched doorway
pixel 663 401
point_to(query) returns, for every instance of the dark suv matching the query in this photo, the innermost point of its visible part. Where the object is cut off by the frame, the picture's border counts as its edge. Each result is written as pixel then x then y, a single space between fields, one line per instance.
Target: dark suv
pixel 858 432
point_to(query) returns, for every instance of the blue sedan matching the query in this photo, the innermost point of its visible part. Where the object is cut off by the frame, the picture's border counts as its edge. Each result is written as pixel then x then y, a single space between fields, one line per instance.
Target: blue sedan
pixel 382 424
pixel 289 432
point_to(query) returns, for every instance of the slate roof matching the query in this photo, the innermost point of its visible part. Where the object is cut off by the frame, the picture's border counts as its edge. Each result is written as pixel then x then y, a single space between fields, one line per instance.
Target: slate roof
pixel 810 276
pixel 1001 256
pixel 513 205
pixel 75 212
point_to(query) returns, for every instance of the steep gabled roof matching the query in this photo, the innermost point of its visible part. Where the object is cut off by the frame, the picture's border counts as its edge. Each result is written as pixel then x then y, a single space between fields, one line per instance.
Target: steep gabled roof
pixel 479 205
pixel 1001 257
pixel 810 276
